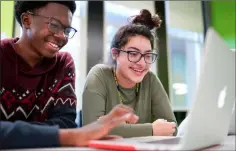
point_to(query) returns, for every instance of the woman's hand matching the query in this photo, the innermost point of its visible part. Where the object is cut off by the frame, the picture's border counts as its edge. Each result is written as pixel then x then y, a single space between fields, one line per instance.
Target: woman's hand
pixel 163 128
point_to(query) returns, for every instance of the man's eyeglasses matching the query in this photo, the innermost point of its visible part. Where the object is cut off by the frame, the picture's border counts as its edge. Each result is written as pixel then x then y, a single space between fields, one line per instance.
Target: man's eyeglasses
pixel 135 56
pixel 56 27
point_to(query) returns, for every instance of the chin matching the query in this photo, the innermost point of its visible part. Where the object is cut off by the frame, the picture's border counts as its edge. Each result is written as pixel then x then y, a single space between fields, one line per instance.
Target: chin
pixel 137 79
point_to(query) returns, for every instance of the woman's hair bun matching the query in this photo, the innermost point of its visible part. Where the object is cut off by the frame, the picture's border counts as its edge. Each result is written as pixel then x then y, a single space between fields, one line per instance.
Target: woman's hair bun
pixel 146 18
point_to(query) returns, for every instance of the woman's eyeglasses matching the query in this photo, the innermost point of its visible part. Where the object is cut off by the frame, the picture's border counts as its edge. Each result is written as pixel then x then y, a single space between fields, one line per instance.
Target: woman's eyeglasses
pixel 135 56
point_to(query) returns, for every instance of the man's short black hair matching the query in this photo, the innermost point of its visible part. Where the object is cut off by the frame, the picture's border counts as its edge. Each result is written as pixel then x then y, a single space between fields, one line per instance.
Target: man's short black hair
pixel 24 6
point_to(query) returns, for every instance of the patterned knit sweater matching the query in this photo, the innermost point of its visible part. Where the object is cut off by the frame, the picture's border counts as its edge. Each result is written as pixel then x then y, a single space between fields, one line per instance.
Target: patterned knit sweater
pixel 41 95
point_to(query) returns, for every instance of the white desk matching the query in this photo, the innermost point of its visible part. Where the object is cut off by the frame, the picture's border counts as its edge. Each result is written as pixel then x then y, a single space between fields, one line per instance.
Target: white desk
pixel 228 144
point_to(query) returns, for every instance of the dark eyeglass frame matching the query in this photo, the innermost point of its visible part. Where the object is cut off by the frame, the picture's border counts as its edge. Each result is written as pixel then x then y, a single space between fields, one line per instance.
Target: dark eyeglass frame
pixel 141 55
pixel 61 28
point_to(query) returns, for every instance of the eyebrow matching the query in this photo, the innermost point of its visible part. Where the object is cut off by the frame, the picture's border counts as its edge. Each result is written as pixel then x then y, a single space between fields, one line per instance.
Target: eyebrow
pixel 138 49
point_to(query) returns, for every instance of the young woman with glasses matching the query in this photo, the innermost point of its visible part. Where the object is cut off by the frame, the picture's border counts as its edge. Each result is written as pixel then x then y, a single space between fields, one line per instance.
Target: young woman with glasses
pixel 129 81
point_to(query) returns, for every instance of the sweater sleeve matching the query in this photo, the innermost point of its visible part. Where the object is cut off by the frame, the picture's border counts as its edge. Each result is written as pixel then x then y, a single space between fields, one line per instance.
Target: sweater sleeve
pixel 94 97
pixel 63 113
pixel 24 135
pixel 132 130
pixel 161 108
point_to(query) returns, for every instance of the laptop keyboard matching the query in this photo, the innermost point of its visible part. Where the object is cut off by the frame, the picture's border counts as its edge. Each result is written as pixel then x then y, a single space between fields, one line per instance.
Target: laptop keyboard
pixel 170 141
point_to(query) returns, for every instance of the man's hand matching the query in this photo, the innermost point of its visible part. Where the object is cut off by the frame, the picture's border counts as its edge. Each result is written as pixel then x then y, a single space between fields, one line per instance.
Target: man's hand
pixel 98 129
pixel 163 128
pixel 117 112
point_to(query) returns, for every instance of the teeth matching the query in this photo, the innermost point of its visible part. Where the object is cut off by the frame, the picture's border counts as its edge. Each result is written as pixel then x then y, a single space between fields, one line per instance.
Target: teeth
pixel 54 45
pixel 138 70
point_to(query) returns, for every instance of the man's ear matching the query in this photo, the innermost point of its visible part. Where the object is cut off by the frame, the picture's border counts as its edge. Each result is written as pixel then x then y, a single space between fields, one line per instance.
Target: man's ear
pixel 114 53
pixel 26 20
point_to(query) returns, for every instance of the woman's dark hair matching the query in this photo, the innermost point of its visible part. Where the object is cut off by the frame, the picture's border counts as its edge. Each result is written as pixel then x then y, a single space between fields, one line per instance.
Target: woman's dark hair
pixel 141 24
pixel 24 6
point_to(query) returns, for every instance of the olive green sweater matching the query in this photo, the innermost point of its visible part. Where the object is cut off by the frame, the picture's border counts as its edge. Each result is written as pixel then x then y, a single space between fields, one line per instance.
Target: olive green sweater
pixel 100 96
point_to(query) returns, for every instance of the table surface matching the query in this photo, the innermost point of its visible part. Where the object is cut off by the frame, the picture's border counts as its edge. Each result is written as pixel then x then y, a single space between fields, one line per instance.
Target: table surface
pixel 228 144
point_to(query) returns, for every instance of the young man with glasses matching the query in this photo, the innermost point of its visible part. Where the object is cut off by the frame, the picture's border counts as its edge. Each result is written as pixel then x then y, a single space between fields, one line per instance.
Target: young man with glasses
pixel 38 81
pixel 128 81
pixel 37 98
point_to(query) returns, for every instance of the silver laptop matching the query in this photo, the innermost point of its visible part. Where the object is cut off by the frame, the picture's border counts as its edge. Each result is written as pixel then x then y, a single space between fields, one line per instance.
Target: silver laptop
pixel 210 114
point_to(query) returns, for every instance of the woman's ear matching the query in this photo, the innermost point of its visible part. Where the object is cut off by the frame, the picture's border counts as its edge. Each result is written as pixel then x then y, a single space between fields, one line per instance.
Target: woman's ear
pixel 114 53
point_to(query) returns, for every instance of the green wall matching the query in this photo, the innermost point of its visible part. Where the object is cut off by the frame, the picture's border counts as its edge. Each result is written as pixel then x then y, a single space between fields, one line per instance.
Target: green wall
pixel 7 14
pixel 223 20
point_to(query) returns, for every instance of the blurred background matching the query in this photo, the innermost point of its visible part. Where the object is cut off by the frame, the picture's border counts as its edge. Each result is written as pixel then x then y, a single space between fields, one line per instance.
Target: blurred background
pixel 180 39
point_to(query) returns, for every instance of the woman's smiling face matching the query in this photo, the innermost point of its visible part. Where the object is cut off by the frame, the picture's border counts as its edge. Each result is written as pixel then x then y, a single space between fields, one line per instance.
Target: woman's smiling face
pixel 131 71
